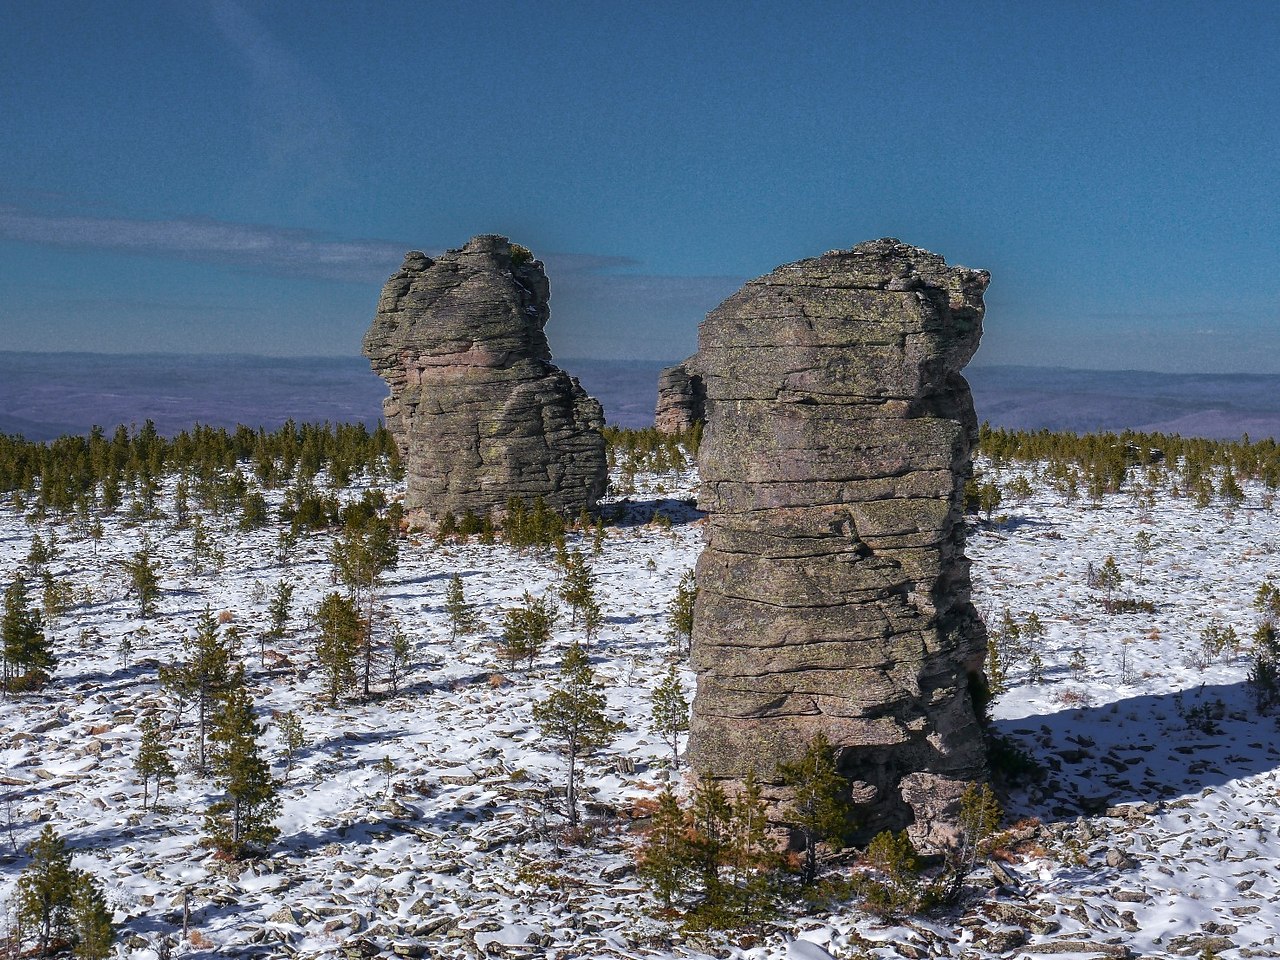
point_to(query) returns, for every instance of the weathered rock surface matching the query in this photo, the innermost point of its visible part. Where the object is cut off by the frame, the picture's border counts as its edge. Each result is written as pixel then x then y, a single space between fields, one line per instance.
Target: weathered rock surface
pixel 477 408
pixel 682 398
pixel 834 593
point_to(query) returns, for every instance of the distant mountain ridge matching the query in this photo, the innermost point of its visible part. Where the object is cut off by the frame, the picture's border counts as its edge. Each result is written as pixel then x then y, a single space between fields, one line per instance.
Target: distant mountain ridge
pixel 1221 406
pixel 46 395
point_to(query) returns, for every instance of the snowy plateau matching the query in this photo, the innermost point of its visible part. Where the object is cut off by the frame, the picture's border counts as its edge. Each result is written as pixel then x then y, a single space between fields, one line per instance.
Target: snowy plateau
pixel 1157 827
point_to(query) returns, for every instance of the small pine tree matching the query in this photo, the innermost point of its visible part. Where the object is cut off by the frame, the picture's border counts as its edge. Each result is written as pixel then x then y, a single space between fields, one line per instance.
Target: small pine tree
pixel 664 862
pixel 152 762
pixel 278 609
pixel 1264 675
pixel 253 511
pixel 181 504
pixel 750 854
pixel 592 621
pixel 398 660
pixel 578 590
pixel 45 891
pixel 526 629
pixel 142 572
pixel 38 555
pixel 201 546
pixel 292 739
pixel 989 497
pixel 1267 601
pixel 55 597
pixel 365 550
pixel 27 652
pixel 387 767
pixel 712 818
pixel 1077 664
pixel 203 677
pixel 447 528
pixel 1032 627
pixel 1216 639
pixel 241 821
pixel 680 612
pixel 573 718
pixel 1230 490
pixel 1144 543
pixel 91 918
pixel 338 644
pixel 997 675
pixel 461 613
pixel 820 808
pixel 1020 489
pixel 894 887
pixel 980 815
pixel 61 905
pixel 669 716
pixel 1108 579
pixel 1035 667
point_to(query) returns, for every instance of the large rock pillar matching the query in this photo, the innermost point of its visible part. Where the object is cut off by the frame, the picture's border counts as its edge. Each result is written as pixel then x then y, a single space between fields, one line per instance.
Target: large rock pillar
pixel 682 398
pixel 834 592
pixel 478 410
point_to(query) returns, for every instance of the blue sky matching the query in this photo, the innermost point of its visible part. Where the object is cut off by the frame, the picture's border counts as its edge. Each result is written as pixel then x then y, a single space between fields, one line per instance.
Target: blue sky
pixel 228 176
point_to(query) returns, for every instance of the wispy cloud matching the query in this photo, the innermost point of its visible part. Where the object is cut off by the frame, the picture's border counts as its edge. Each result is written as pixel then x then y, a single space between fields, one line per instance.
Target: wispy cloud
pixel 603 305
pixel 294 118
pixel 288 251
pixel 278 250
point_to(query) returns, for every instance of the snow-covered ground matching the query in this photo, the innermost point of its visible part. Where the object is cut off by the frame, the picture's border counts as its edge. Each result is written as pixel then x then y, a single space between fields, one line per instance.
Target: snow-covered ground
pixel 1157 831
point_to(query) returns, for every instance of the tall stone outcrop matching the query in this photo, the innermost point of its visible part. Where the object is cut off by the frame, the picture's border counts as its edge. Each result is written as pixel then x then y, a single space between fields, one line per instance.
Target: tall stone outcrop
pixel 476 406
pixel 682 397
pixel 834 593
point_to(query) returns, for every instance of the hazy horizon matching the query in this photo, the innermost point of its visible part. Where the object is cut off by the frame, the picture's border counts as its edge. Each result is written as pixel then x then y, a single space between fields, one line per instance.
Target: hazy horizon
pixel 44 394
pixel 978 363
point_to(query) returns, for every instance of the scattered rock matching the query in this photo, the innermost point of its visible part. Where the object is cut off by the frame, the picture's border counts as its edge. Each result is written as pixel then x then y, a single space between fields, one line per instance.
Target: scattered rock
pixel 1000 941
pixel 1118 860
pixel 1016 916
pixel 1197 944
pixel 1079 946
pixel 1130 896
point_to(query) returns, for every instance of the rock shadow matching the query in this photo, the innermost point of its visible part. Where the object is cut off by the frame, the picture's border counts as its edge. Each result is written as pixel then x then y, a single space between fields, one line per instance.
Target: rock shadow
pixel 638 513
pixel 1145 748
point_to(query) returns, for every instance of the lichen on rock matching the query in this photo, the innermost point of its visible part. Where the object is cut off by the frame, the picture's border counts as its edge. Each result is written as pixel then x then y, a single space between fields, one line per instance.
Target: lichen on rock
pixel 477 408
pixel 834 593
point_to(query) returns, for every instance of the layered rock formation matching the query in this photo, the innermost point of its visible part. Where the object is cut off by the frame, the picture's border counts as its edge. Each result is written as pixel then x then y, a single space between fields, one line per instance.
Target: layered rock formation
pixel 476 406
pixel 682 398
pixel 834 593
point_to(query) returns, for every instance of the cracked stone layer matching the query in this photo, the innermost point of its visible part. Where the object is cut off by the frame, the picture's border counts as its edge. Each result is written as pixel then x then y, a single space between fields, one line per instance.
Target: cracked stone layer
pixel 477 408
pixel 834 594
